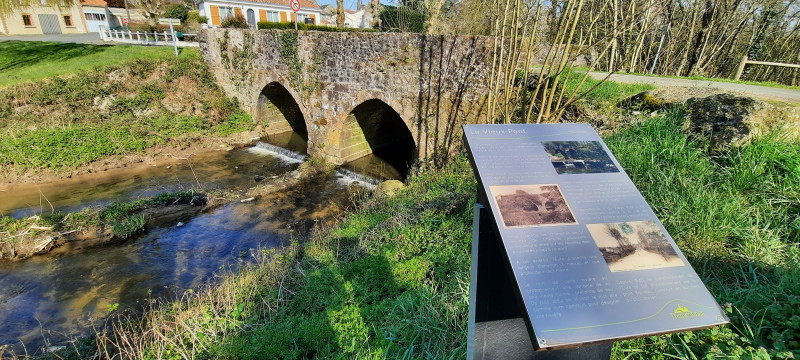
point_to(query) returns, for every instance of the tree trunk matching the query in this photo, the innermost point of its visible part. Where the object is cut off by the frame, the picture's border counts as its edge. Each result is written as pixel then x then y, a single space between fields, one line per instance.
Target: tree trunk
pixel 340 13
pixel 376 6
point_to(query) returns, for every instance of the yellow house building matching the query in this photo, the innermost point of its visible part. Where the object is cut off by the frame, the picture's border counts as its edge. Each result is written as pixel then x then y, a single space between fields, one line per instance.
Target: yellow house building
pixel 44 19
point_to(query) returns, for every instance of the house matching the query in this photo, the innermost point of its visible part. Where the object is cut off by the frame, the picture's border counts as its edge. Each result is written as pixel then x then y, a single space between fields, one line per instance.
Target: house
pixel 358 18
pixel 327 15
pixel 259 10
pixel 43 19
pixel 97 13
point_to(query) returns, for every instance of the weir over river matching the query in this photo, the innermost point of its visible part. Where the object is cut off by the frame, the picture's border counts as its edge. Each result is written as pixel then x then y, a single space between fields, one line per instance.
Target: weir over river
pixel 50 299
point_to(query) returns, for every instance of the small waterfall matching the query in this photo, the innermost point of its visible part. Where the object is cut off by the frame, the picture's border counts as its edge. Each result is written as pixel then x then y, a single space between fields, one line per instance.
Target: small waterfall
pixel 278 152
pixel 346 177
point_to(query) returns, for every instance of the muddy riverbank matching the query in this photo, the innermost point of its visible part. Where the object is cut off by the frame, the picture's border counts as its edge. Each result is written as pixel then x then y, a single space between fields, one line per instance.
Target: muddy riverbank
pixel 36 236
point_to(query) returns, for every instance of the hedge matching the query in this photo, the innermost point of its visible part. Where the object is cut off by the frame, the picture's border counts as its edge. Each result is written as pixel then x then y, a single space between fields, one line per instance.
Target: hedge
pixel 301 26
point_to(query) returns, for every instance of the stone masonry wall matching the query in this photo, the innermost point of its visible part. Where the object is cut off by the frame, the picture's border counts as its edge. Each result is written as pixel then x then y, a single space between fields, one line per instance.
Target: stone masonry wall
pixel 435 83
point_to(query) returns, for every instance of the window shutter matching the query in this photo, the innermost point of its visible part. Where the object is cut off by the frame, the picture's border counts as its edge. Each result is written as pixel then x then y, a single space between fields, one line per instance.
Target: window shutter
pixel 262 15
pixel 238 12
pixel 215 15
pixel 283 16
pixel 292 17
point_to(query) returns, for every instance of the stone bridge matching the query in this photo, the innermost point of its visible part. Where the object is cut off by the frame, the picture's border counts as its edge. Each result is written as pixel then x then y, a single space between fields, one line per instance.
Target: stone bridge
pixel 401 96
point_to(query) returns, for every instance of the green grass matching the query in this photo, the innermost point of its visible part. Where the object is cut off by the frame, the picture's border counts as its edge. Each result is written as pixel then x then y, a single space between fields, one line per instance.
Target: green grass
pixel 736 216
pixel 607 93
pixel 391 280
pixel 64 123
pixel 25 61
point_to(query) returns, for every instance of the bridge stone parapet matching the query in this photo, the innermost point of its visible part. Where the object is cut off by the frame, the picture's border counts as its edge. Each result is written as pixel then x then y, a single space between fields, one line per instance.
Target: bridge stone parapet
pixel 355 93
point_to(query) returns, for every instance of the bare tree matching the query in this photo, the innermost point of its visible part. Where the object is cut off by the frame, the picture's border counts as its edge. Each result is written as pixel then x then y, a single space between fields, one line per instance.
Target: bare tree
pixel 376 11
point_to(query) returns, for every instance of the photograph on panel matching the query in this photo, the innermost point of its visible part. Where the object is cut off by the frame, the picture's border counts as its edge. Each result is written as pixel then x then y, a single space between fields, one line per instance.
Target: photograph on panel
pixel 634 245
pixel 532 205
pixel 579 157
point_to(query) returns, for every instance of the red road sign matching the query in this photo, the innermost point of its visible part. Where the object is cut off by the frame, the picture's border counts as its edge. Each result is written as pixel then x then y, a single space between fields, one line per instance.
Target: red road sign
pixel 124 21
pixel 295 5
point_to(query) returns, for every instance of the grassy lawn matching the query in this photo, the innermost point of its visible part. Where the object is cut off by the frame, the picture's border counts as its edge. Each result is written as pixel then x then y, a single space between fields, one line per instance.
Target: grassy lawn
pixel 63 123
pixel 392 279
pixel 24 61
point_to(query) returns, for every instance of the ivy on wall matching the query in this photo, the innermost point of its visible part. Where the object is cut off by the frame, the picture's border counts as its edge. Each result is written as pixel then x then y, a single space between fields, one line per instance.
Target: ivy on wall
pixel 238 60
pixel 303 77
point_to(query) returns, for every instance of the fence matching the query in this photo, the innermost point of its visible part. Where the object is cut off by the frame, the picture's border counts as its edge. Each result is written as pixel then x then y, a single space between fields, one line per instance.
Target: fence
pixel 745 62
pixel 165 38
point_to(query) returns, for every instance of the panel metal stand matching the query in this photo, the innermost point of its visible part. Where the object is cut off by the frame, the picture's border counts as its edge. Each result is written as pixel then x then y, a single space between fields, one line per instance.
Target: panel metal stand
pixel 497 329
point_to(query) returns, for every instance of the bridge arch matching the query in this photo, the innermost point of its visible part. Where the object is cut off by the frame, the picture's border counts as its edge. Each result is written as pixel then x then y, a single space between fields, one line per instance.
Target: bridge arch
pixel 277 106
pixel 374 127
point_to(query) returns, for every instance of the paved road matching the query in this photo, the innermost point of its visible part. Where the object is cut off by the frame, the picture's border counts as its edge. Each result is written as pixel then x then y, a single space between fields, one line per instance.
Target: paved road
pixel 761 92
pixel 90 38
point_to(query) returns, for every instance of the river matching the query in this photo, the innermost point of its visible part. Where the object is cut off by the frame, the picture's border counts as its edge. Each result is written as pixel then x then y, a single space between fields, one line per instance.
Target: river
pixel 54 298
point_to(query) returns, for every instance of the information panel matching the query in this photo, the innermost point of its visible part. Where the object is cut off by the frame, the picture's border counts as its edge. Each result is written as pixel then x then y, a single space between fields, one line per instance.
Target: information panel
pixel 592 261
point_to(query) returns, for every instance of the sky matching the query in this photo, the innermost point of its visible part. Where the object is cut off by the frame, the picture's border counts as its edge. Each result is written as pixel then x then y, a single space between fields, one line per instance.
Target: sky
pixel 351 4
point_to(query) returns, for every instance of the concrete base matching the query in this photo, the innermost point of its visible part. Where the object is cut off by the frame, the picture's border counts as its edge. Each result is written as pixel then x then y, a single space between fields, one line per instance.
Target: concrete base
pixel 508 339
pixel 497 326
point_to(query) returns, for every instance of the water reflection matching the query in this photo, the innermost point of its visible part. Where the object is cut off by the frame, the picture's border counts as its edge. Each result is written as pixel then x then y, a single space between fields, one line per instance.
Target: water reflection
pixel 212 169
pixel 58 295
pixel 54 297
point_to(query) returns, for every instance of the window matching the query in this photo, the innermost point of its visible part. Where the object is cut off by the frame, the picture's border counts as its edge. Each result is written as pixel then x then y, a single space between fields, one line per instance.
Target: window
pixel 91 16
pixel 273 16
pixel 225 12
pixel 27 19
pixel 301 18
pixel 68 20
pixel 44 2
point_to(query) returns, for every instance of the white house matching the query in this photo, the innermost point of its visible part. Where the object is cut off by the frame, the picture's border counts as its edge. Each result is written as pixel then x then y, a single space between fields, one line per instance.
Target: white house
pixel 358 19
pixel 255 11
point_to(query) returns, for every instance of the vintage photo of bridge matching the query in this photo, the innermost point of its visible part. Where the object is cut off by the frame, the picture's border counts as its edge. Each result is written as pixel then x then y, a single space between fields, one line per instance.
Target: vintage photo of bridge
pixel 532 205
pixel 579 157
pixel 635 245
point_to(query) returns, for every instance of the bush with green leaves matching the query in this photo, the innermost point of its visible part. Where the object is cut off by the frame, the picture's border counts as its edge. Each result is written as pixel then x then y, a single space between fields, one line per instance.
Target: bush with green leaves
pixel 301 26
pixel 237 22
pixel 402 19
pixel 176 11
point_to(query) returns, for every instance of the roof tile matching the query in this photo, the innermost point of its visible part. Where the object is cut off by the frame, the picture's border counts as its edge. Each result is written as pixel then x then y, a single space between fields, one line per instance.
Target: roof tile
pixel 93 2
pixel 304 4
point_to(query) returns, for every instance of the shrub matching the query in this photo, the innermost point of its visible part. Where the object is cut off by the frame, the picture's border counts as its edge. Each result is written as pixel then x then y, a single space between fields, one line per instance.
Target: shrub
pixel 194 16
pixel 237 22
pixel 402 19
pixel 300 26
pixel 176 11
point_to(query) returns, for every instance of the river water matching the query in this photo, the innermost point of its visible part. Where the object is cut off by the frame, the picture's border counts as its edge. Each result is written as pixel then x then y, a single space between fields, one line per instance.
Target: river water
pixel 51 299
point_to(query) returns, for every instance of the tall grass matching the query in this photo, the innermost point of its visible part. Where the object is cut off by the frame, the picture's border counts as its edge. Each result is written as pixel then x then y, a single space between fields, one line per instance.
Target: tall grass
pixel 736 216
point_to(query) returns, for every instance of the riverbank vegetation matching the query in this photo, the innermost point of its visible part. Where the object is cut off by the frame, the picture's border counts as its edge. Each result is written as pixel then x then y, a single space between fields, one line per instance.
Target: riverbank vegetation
pixel 64 123
pixel 392 279
pixel 26 237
